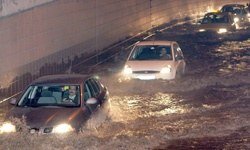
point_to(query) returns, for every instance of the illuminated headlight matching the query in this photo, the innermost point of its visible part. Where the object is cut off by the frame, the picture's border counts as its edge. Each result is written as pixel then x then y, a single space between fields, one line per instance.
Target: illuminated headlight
pixel 222 30
pixel 202 30
pixel 7 128
pixel 248 15
pixel 127 70
pixel 236 19
pixel 165 70
pixel 62 128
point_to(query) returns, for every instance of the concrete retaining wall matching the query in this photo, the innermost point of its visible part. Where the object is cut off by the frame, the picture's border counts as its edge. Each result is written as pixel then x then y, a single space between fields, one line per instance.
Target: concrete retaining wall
pixel 45 39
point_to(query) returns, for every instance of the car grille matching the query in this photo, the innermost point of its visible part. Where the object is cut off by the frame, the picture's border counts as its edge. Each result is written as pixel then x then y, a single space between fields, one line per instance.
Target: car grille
pixel 145 72
pixel 41 130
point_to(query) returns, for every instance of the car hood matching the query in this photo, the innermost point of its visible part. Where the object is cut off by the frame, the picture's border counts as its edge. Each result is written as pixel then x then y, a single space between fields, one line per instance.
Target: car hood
pixel 37 117
pixel 150 65
pixel 215 26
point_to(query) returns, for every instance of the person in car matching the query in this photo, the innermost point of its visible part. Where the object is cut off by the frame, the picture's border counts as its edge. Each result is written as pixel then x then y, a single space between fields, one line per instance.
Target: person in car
pixel 71 96
pixel 164 55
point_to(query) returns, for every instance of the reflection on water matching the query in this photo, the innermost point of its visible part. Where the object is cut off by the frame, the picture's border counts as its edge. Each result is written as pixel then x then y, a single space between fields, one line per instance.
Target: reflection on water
pixel 235 56
pixel 164 104
pixel 127 108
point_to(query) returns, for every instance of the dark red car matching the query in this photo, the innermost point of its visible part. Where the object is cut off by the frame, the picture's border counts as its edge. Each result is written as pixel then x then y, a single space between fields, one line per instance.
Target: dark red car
pixel 59 103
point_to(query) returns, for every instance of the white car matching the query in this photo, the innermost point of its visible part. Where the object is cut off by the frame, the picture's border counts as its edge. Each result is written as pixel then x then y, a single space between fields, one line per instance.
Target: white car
pixel 151 60
pixel 218 22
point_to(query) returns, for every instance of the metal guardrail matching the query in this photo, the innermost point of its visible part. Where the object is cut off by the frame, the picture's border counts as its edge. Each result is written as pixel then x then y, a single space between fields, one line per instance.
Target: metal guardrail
pixel 6 99
pixel 113 46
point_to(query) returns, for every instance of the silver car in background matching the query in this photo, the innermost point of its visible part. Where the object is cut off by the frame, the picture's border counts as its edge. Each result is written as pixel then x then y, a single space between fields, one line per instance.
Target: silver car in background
pixel 218 22
pixel 151 60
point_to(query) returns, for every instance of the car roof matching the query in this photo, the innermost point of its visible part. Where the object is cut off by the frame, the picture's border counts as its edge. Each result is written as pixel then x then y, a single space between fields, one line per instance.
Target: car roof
pixel 61 79
pixel 233 5
pixel 155 43
pixel 218 13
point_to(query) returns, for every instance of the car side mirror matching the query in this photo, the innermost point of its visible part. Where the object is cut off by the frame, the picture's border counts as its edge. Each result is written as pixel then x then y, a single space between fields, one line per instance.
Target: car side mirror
pixel 13 101
pixel 178 57
pixel 91 101
pixel 199 21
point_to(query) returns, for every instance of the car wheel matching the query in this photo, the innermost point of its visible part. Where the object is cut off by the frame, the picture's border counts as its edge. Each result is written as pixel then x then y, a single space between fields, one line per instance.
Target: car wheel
pixel 180 72
pixel 177 75
pixel 184 71
pixel 106 107
pixel 99 117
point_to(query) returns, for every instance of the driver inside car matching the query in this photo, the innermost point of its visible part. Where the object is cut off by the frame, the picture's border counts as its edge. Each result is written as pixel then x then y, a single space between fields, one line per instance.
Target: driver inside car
pixel 71 96
pixel 164 55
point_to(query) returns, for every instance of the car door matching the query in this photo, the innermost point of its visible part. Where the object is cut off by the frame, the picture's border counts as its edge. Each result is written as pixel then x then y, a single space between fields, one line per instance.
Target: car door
pixel 90 91
pixel 101 94
pixel 179 58
pixel 102 91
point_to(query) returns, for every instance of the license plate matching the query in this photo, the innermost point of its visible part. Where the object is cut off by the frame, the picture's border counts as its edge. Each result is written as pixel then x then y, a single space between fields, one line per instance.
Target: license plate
pixel 146 77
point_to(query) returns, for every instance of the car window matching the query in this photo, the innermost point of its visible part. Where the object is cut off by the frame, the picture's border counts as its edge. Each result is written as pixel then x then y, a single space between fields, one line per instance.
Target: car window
pixel 95 86
pixel 87 92
pixel 234 9
pixel 215 18
pixel 51 95
pixel 94 92
pixel 151 52
pixel 244 12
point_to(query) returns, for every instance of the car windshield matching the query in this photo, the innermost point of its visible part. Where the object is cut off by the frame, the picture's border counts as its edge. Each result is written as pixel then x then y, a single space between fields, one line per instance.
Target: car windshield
pixel 215 18
pixel 233 9
pixel 149 52
pixel 51 95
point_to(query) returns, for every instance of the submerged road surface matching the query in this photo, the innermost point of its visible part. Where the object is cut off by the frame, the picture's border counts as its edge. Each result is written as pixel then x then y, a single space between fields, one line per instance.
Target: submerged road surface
pixel 208 108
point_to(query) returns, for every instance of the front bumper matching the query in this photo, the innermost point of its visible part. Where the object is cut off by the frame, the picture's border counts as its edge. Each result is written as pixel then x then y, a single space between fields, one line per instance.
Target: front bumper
pixel 151 76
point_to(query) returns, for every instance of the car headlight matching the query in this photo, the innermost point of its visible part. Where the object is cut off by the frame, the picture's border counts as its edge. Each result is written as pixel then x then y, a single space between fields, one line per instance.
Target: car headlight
pixel 202 30
pixel 222 30
pixel 62 128
pixel 166 70
pixel 236 19
pixel 127 70
pixel 248 14
pixel 7 128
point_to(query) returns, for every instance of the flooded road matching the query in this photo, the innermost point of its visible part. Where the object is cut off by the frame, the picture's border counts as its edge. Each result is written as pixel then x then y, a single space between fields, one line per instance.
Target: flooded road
pixel 208 108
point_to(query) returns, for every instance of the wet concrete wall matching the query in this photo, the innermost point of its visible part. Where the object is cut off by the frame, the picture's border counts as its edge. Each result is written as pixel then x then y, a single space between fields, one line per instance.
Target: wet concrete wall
pixel 9 7
pixel 47 39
